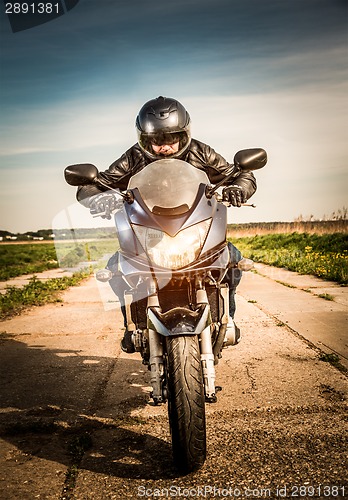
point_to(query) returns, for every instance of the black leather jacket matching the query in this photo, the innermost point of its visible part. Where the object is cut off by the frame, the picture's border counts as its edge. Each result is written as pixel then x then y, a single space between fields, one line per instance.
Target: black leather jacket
pixel 132 161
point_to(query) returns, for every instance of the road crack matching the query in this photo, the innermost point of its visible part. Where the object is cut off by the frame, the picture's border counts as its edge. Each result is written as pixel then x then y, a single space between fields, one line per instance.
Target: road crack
pixel 252 379
pixel 82 441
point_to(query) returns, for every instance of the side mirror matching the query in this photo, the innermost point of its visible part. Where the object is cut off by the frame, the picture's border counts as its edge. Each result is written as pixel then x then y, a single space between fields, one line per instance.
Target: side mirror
pixel 81 174
pixel 250 159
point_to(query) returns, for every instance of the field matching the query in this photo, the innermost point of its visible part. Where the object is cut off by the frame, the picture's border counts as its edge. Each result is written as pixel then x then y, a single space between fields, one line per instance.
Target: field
pixel 319 250
pixel 31 258
pixel 300 226
pixel 325 256
pixel 18 259
pixel 23 259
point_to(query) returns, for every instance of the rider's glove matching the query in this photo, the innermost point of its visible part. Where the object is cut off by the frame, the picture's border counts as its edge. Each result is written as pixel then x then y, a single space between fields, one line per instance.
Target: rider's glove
pixel 103 204
pixel 235 195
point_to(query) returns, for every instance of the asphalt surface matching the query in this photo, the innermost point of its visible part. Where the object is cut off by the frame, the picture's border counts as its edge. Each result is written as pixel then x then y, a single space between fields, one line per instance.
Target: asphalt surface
pixel 76 423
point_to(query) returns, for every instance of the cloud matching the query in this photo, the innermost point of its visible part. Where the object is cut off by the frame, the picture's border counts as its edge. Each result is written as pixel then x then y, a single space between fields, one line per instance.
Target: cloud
pixel 303 132
pixel 72 126
pixel 270 74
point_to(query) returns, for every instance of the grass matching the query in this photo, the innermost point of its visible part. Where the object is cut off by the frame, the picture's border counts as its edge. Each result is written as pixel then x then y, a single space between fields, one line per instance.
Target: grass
pixel 325 256
pixel 36 293
pixel 17 259
pixel 334 360
pixel 326 296
pixel 77 448
pixel 72 254
pixel 22 259
pixel 285 284
pixel 300 226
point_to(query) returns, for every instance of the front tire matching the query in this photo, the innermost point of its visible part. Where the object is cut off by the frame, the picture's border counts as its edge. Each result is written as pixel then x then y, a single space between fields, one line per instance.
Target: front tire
pixel 186 402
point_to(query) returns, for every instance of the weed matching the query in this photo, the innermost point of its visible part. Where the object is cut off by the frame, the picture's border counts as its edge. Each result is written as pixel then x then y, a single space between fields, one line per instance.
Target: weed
pixel 36 293
pixel 285 284
pixel 326 296
pixel 334 360
pixel 329 358
pixel 77 448
pixel 79 445
pixel 70 482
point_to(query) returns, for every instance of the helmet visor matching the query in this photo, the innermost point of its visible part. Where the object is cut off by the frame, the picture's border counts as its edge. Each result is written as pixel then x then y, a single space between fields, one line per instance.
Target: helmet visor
pixel 147 141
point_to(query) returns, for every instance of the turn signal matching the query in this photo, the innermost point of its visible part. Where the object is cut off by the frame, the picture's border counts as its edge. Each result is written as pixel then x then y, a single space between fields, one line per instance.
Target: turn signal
pixel 245 264
pixel 103 275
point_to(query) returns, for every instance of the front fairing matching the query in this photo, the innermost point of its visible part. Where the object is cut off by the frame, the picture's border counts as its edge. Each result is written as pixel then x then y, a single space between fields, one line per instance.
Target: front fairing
pixel 140 265
pixel 170 220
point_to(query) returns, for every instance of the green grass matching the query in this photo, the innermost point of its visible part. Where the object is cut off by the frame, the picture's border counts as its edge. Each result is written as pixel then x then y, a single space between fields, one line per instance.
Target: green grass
pixel 22 259
pixel 326 296
pixel 72 254
pixel 36 293
pixel 325 256
pixel 16 260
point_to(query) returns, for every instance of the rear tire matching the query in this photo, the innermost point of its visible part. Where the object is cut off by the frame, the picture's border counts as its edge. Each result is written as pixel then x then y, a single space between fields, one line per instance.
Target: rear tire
pixel 186 402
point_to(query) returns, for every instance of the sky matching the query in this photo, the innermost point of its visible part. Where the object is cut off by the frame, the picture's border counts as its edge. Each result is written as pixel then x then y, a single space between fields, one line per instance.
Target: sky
pixel 251 73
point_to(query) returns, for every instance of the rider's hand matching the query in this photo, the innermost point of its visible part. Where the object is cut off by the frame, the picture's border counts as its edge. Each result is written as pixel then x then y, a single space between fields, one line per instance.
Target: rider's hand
pixel 103 204
pixel 234 195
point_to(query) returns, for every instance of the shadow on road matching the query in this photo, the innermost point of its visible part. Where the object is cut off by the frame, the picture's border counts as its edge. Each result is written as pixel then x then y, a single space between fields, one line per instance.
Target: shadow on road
pixel 57 405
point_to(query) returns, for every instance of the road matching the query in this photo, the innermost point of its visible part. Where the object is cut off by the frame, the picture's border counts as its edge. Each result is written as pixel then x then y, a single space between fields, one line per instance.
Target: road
pixel 75 420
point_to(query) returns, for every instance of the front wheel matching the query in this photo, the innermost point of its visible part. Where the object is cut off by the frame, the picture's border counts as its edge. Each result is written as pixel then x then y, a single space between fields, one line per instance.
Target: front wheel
pixel 186 402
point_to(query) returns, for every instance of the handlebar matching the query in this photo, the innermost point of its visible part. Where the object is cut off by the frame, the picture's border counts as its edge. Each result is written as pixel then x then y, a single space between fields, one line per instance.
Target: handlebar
pixel 129 198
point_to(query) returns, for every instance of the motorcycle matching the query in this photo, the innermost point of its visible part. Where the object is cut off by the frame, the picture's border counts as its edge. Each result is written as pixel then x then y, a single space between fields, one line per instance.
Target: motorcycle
pixel 173 256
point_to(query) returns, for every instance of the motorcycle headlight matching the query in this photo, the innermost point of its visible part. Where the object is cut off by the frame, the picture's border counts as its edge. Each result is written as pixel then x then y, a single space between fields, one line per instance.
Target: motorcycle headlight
pixel 173 252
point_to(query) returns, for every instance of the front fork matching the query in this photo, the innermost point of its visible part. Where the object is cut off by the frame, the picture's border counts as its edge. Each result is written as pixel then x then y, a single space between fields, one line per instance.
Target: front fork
pixel 157 367
pixel 156 360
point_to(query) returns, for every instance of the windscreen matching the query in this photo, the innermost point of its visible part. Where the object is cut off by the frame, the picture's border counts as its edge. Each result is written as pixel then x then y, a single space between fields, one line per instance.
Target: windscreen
pixel 168 184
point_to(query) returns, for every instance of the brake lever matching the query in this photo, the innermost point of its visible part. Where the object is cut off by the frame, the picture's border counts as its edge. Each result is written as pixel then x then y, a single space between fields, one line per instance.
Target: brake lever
pixel 104 215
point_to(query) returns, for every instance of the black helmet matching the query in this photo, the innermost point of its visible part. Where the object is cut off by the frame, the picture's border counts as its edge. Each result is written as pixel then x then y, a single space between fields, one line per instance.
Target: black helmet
pixel 163 121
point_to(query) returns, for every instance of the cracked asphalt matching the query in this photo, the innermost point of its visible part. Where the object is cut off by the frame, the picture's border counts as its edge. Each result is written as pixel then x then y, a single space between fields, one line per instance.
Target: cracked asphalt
pixel 76 422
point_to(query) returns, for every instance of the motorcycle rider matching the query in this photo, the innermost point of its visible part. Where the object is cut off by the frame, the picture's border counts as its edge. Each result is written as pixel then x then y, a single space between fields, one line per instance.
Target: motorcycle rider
pixel 163 128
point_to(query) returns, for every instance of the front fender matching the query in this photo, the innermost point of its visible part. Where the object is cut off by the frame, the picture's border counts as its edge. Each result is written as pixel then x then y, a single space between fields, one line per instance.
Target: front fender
pixel 179 320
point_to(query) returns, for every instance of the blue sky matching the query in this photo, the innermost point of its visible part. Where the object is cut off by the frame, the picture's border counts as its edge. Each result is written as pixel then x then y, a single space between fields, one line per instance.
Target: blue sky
pixel 268 73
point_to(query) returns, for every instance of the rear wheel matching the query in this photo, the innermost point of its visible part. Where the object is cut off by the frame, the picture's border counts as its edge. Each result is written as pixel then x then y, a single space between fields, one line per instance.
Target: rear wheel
pixel 186 402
